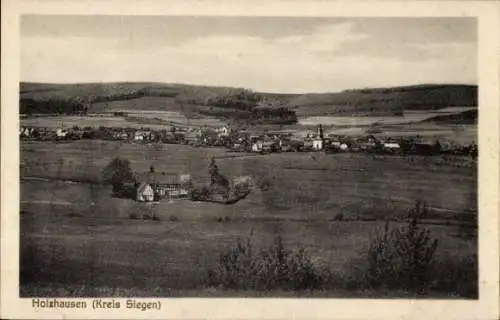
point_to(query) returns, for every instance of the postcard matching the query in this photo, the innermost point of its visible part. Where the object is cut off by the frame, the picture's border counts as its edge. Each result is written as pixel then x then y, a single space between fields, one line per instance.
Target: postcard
pixel 250 160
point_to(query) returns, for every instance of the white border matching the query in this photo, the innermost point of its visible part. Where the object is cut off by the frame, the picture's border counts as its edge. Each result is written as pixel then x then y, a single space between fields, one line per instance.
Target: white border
pixel 195 308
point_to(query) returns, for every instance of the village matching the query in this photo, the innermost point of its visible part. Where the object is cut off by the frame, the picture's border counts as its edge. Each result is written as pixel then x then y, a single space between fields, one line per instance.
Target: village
pixel 238 140
pixel 154 186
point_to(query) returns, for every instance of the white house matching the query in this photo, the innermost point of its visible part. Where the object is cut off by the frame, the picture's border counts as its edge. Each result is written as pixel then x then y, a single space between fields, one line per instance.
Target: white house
pixel 61 133
pixel 222 131
pixel 317 144
pixel 145 193
pixel 309 133
pixel 139 136
pixel 391 145
pixel 257 146
pixel 26 132
pixel 336 144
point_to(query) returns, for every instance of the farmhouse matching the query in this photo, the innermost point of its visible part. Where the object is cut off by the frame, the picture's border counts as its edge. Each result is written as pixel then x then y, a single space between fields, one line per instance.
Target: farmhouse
pixel 169 185
pixel 144 192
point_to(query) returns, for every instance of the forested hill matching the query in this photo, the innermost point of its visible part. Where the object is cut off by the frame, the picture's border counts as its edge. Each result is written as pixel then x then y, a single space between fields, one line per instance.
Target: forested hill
pixel 386 100
pixel 74 98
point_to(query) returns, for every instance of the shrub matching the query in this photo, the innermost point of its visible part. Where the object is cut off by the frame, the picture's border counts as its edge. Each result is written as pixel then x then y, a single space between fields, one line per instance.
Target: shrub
pixel 223 219
pixel 243 267
pixel 200 193
pixel 402 257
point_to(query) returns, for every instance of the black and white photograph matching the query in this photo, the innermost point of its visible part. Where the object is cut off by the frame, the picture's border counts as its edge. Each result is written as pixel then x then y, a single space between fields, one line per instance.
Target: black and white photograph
pixel 247 156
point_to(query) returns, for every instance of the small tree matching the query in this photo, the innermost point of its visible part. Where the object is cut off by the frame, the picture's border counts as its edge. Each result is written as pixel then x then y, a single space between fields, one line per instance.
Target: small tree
pixel 213 170
pixel 415 248
pixel 117 173
pixel 218 181
pixel 402 257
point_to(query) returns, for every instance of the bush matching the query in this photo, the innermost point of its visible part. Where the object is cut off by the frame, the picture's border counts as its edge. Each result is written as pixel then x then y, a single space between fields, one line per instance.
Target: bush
pixel 402 257
pixel 201 193
pixel 223 219
pixel 275 267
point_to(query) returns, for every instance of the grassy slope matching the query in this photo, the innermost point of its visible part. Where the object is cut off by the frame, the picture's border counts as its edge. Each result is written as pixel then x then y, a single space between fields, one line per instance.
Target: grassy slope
pixel 363 101
pixel 329 184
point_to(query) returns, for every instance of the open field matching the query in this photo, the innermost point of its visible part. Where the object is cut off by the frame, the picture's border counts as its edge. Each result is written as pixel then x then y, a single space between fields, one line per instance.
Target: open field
pixel 85 159
pixel 174 255
pixel 78 235
pixel 408 117
pixel 327 182
pixel 154 120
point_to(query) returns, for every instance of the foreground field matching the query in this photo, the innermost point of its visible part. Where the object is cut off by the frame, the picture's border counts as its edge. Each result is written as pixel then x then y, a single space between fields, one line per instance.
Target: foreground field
pixel 173 256
pixel 80 237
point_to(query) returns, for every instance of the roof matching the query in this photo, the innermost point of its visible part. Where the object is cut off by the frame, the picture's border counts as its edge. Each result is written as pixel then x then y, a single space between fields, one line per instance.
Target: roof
pixel 162 178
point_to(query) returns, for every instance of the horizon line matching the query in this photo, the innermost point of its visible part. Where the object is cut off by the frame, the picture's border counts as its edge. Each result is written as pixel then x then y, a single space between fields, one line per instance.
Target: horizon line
pixel 423 84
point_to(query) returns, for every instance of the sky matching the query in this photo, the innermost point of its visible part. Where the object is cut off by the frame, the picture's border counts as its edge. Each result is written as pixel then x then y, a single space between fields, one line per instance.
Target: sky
pixel 271 54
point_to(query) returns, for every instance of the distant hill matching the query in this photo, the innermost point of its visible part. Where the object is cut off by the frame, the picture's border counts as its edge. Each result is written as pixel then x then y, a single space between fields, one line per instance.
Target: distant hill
pixel 70 98
pixel 386 101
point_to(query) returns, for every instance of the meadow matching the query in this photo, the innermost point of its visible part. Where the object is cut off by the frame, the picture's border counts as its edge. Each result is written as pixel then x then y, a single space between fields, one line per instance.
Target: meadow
pixel 80 240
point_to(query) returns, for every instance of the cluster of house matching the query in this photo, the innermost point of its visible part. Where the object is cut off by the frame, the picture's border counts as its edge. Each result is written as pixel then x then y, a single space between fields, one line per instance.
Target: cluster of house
pixel 317 141
pixel 243 141
pixel 154 186
pixel 204 136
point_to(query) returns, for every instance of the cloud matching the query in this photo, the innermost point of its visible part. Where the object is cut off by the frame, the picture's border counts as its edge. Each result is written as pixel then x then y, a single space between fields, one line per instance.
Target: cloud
pixel 329 58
